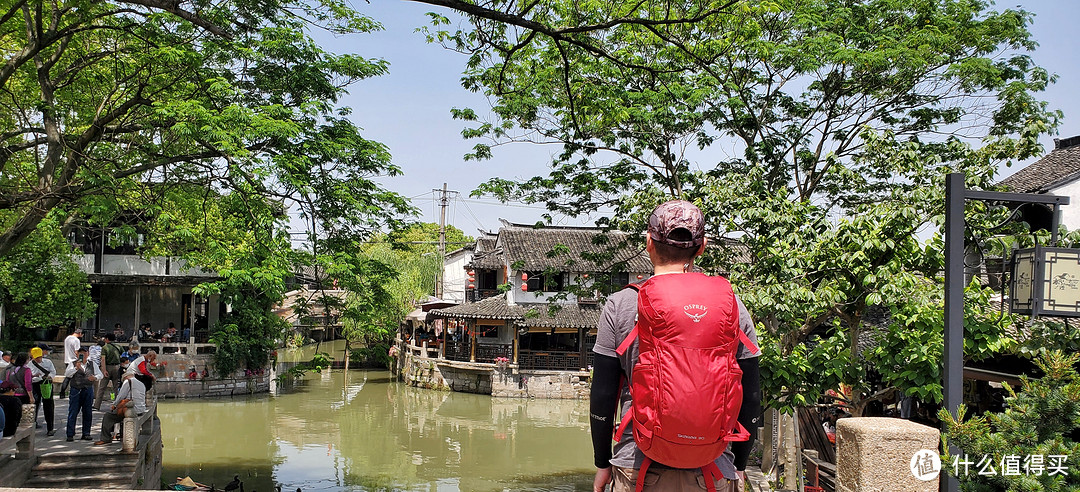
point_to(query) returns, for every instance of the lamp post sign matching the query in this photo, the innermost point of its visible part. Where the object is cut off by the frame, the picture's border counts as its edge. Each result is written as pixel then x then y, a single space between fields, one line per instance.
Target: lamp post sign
pixel 1045 281
pixel 1039 274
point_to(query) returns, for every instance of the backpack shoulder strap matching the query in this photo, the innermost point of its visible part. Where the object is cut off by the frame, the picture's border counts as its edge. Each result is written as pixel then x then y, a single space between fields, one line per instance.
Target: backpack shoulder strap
pixel 753 348
pixel 42 369
pixel 630 337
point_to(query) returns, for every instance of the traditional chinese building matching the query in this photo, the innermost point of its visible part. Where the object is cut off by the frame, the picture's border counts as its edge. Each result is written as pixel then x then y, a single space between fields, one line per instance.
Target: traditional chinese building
pixel 531 308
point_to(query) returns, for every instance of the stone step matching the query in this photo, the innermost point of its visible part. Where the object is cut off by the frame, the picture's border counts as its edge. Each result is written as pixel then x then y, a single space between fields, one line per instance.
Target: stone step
pixel 88 460
pixel 99 480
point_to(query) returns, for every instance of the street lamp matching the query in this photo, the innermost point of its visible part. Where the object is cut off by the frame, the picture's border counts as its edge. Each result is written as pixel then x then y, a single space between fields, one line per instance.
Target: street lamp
pixel 955 197
pixel 1045 281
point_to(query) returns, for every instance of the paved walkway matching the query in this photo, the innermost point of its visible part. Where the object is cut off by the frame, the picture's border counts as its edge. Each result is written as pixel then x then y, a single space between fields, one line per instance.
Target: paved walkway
pixel 57 444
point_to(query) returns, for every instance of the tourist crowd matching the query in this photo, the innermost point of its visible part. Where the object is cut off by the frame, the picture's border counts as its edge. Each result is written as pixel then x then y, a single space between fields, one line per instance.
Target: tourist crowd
pixel 91 373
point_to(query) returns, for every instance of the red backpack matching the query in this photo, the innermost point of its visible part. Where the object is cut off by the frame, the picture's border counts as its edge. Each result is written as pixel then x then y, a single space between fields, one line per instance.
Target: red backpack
pixel 686 386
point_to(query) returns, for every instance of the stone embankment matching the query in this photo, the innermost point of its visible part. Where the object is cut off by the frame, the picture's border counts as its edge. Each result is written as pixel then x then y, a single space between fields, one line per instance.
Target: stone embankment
pixel 499 380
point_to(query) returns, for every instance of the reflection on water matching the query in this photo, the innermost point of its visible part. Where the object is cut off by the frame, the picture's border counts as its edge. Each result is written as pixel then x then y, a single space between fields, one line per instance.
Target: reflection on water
pixel 361 432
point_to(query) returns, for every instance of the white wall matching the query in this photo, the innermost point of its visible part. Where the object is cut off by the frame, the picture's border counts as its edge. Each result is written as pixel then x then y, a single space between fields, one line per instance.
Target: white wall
pixel 455 278
pixel 517 296
pixel 1070 214
pixel 137 265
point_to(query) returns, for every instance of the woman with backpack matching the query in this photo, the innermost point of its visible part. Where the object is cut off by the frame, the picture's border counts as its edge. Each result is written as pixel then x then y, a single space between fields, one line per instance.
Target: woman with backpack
pixel 14 392
pixel 18 379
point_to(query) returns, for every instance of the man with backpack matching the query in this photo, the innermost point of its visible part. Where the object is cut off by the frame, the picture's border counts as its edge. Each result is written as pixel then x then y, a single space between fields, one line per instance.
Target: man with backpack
pixel 678 355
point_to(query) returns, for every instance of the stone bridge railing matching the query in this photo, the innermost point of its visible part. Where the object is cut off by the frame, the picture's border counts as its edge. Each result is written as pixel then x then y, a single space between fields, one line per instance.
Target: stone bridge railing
pixel 17 452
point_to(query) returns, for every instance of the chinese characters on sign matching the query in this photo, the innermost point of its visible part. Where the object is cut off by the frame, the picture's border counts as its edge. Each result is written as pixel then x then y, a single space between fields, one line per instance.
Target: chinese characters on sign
pixel 1012 465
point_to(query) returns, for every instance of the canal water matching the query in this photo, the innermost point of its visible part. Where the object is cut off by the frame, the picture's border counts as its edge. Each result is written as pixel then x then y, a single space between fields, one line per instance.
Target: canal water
pixel 360 431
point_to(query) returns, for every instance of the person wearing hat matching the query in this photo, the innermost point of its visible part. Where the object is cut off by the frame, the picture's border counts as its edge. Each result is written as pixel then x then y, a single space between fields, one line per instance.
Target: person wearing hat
pixel 43 371
pixel 676 237
pixel 83 374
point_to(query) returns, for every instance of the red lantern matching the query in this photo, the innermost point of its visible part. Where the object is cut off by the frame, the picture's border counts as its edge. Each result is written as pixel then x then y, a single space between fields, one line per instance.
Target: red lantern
pixel 472 279
pixel 585 276
pixel 472 286
pixel 472 272
pixel 639 277
pixel 524 287
pixel 524 277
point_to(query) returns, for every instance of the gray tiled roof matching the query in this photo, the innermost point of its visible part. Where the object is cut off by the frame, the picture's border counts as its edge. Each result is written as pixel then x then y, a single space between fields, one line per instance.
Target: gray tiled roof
pixel 494 307
pixel 485 244
pixel 571 249
pixel 486 255
pixel 533 314
pixel 1058 167
pixel 571 315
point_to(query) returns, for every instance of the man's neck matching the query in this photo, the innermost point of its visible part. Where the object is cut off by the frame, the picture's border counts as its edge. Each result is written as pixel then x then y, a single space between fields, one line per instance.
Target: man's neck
pixel 670 268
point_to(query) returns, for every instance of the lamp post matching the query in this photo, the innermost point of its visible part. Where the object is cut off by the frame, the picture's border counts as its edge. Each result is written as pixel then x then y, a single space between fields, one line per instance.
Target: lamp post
pixel 955 196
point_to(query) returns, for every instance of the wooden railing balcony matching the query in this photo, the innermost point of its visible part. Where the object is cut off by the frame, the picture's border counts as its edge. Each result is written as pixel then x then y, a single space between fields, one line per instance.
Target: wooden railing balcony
pixel 551 360
pixel 487 353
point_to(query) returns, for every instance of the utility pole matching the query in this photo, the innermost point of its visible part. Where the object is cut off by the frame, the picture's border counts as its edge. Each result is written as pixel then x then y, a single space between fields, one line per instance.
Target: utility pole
pixel 443 202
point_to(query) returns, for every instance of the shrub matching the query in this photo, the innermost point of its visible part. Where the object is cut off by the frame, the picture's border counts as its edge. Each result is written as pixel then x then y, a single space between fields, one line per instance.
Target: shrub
pixel 1034 429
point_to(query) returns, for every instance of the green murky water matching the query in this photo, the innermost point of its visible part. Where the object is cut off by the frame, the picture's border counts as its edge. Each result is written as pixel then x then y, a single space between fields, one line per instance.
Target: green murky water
pixel 362 432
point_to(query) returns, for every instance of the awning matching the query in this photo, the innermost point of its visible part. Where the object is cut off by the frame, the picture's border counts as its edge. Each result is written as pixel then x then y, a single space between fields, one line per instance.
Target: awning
pixel 418 315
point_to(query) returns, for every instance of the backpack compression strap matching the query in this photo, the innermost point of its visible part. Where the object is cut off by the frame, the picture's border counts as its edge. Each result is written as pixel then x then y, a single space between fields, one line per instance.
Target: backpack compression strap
pixel 710 472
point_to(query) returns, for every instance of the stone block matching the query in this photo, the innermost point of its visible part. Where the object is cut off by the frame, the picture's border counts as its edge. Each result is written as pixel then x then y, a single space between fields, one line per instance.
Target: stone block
pixel 874 454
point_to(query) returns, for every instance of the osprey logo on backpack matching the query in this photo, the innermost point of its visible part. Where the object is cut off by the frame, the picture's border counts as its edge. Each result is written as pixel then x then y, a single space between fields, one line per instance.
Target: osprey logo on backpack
pixel 695 311
pixel 686 384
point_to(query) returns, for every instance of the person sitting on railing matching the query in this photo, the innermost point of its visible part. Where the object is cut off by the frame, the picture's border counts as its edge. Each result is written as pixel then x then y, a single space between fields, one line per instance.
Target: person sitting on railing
pixel 133 390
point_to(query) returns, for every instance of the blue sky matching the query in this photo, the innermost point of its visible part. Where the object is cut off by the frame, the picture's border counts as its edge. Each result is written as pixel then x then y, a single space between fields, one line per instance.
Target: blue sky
pixel 409 109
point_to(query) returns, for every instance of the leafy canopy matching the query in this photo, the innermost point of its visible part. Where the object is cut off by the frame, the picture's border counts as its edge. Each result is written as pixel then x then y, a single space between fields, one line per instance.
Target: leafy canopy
pixel 205 123
pixel 817 133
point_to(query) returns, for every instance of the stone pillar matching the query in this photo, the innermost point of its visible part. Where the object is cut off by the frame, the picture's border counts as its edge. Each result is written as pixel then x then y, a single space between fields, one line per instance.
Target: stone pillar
pixel 24 448
pixel 875 454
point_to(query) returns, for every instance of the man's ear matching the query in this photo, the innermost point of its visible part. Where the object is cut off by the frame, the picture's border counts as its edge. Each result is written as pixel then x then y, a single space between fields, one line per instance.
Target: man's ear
pixel 701 249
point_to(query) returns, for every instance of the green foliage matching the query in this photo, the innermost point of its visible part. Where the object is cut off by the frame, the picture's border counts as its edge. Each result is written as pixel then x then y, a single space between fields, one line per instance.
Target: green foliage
pixel 41 286
pixel 318 363
pixel 231 351
pixel 817 133
pixel 139 101
pixel 423 237
pixel 1037 421
pixel 198 130
pixel 376 355
pixel 1046 334
pixel 394 272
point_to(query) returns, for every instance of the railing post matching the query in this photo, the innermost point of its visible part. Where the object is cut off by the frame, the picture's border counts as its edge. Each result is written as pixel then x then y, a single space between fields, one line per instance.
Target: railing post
pixel 24 448
pixel 472 346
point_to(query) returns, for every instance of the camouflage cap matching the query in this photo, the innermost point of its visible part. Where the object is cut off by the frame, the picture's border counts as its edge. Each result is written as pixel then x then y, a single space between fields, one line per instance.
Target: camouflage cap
pixel 674 215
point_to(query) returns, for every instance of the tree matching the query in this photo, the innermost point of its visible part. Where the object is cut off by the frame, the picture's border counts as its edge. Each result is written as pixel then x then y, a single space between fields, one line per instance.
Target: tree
pixel 40 283
pixel 821 133
pixel 187 119
pixel 103 99
pixel 400 270
pixel 1030 443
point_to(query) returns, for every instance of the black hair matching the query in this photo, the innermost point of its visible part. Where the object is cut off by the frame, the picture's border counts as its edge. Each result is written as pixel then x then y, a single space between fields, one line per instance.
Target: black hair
pixel 20 359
